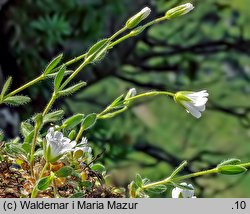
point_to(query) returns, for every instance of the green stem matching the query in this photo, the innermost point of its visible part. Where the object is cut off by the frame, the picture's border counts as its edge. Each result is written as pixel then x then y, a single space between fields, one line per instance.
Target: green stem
pixel 118 33
pixel 74 73
pixel 131 34
pixel 35 190
pixel 36 131
pixel 119 40
pixel 72 61
pixel 43 170
pixel 54 189
pixel 151 93
pixel 32 152
pixel 192 175
pixel 49 105
pixel 41 77
pixel 147 94
pixel 196 174
pixel 80 133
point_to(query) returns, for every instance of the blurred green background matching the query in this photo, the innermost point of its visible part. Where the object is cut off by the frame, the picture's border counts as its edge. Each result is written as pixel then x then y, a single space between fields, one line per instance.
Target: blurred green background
pixel 206 49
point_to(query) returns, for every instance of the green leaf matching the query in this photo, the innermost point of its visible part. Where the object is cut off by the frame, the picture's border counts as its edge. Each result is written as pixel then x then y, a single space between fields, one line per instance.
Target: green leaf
pixel 98 168
pixel 78 195
pixel 72 89
pixel 26 147
pixel 138 180
pixel 44 183
pixel 132 189
pixel 160 188
pixel 72 134
pixel 54 62
pixel 59 77
pixel 232 161
pixel 98 50
pixel 5 88
pixel 17 100
pixel 66 73
pixel 15 149
pixel 64 171
pixel 145 181
pixel 117 102
pixel 29 137
pixel 89 121
pixel 26 129
pixel 86 184
pixel 73 121
pixel 53 116
pixel 231 169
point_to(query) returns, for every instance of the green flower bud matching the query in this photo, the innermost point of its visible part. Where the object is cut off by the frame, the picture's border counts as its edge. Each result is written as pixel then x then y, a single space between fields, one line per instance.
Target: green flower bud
pixel 137 18
pixel 179 10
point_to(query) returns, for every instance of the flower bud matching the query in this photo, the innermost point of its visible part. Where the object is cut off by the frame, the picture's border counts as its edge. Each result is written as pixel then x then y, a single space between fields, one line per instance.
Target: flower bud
pixel 179 10
pixel 137 18
pixel 131 93
pixel 137 31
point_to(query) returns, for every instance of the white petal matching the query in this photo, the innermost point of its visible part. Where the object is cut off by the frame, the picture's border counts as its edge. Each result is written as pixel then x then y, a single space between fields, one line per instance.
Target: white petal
pixel 188 193
pixel 84 140
pixel 176 192
pixel 58 135
pixel 73 143
pixel 192 109
pixel 201 101
pixel 200 108
pixel 65 140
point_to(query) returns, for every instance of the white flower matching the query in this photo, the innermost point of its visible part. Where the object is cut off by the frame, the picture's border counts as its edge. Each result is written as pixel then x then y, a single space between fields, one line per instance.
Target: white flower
pixel 193 102
pixel 57 145
pixel 184 193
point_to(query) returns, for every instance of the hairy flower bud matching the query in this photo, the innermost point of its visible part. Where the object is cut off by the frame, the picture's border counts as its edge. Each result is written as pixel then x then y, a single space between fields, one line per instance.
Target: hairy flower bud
pixel 179 10
pixel 137 18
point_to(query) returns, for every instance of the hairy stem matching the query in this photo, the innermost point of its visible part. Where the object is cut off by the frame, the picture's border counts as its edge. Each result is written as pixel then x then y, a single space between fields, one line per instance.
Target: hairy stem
pixel 36 130
pixel 38 79
pixel 50 103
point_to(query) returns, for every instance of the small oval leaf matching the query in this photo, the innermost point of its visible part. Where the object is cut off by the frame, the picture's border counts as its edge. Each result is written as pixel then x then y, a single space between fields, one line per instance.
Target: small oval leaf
pixel 17 100
pixel 44 183
pixel 54 62
pixel 231 169
pixel 59 78
pixel 6 87
pixel 73 121
pixel 26 128
pixel 89 121
pixel 64 171
pixel 72 89
pixel 98 168
pixel 53 116
pixel 232 161
pixel 157 189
